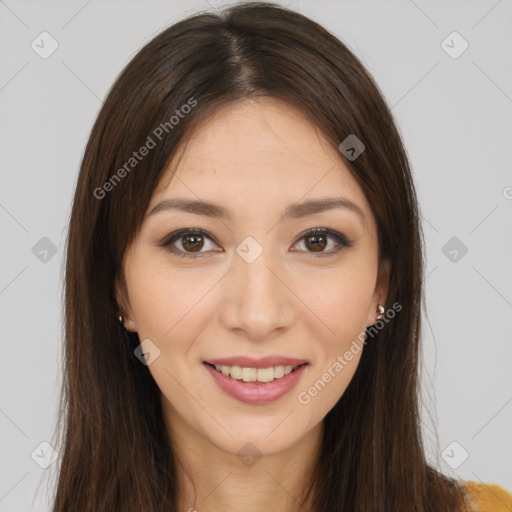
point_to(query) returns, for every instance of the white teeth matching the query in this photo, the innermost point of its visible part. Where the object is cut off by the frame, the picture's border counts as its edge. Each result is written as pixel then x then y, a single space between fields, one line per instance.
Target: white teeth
pixel 249 374
pixel 278 372
pixel 265 374
pixel 234 371
pixel 255 374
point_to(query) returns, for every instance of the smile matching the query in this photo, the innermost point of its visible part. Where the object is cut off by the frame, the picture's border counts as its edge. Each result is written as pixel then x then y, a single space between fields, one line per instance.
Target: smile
pixel 256 386
pixel 255 374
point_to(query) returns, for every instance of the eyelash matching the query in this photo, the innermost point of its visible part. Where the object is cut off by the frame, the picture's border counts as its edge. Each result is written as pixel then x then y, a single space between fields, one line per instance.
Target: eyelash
pixel 341 239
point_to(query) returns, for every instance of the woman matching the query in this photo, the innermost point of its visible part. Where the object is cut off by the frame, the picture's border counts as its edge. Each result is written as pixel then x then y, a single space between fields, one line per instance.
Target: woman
pixel 244 284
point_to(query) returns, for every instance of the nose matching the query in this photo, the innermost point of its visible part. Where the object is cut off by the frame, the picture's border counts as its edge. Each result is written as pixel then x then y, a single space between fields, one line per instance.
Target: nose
pixel 257 302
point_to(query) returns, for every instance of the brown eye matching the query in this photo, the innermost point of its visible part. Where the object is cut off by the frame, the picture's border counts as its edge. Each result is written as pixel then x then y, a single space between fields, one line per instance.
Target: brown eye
pixel 188 243
pixel 318 239
pixel 316 243
pixel 192 243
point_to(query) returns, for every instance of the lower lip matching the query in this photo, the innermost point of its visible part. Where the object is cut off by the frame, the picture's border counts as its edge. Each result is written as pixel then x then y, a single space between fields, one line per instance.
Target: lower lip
pixel 257 392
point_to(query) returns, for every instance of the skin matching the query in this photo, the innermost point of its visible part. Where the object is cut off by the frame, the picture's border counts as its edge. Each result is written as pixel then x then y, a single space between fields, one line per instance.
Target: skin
pixel 255 158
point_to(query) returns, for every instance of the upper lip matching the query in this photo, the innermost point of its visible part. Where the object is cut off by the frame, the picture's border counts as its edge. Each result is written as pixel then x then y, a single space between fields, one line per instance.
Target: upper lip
pixel 251 362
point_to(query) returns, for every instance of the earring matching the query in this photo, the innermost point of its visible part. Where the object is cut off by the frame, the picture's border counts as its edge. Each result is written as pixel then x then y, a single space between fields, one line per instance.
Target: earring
pixel 121 319
pixel 381 311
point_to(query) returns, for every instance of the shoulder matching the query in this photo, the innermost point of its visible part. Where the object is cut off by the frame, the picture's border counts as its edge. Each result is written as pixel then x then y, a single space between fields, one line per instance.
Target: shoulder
pixel 487 497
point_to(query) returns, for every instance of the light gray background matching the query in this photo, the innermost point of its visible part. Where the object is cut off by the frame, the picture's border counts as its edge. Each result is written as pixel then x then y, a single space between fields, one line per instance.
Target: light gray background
pixel 455 118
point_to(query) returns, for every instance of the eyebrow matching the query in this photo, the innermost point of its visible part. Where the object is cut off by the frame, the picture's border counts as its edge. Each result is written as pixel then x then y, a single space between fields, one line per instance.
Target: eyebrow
pixel 294 211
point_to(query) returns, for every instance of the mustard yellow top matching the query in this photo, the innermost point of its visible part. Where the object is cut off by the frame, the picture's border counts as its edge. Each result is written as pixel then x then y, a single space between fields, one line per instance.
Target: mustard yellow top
pixel 487 497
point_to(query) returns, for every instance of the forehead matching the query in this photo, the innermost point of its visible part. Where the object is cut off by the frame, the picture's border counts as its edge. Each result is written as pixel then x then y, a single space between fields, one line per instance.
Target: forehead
pixel 258 153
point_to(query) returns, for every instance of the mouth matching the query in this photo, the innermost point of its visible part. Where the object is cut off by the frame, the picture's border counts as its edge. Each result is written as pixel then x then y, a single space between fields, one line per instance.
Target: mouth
pixel 257 384
pixel 260 375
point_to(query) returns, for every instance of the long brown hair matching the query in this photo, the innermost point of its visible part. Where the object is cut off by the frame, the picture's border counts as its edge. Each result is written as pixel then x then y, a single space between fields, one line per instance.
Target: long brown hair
pixel 116 453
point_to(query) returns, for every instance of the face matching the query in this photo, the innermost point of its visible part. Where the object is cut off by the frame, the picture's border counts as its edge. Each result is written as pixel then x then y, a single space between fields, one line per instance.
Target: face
pixel 259 280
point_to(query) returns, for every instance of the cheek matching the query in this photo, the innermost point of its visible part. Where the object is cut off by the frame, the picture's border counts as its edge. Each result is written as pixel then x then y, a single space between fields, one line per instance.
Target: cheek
pixel 339 303
pixel 340 307
pixel 339 319
pixel 167 304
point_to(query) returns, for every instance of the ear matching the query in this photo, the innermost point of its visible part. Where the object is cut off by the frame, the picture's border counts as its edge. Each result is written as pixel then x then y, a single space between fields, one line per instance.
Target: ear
pixel 123 302
pixel 381 291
